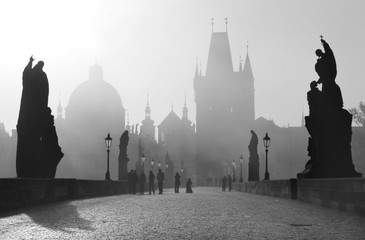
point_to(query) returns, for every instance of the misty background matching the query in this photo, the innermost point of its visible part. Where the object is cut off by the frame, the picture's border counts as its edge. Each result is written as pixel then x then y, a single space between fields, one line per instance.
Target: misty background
pixel 152 46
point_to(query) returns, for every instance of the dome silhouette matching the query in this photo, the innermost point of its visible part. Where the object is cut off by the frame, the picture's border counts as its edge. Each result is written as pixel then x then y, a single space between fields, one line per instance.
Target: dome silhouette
pixel 95 105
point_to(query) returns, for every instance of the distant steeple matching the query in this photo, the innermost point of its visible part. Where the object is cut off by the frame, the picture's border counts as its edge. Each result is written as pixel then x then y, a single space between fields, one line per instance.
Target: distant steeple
pixel 128 127
pixel 240 66
pixel 247 70
pixel 148 109
pixel 59 109
pixel 185 109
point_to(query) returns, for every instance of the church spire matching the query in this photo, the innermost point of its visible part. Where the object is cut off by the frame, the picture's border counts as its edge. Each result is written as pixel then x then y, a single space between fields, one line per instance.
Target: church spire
pixel 247 70
pixel 240 66
pixel 148 109
pixel 128 127
pixel 185 109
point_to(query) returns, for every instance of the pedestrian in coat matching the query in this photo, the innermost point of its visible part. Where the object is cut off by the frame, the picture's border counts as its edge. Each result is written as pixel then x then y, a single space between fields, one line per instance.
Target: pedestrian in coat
pixel 142 182
pixel 189 183
pixel 177 182
pixel 151 182
pixel 224 184
pixel 160 179
pixel 229 183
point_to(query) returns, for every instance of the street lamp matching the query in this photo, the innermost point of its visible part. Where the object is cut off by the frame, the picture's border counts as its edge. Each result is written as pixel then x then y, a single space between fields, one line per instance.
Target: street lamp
pixel 152 162
pixel 241 162
pixel 143 158
pixel 233 170
pixel 159 164
pixel 266 144
pixel 108 144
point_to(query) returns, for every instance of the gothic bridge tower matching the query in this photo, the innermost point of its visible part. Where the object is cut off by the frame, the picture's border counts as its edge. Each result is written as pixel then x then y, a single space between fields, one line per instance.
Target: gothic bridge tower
pixel 224 109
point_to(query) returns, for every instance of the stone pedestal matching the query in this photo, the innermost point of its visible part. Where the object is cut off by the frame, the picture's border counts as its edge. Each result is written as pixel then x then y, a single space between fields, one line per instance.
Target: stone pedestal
pixel 329 146
pixel 253 168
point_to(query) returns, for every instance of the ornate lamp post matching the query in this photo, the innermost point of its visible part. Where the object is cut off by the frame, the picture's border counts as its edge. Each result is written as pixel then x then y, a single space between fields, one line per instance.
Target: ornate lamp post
pixel 241 163
pixel 233 170
pixel 159 164
pixel 152 162
pixel 266 144
pixel 108 144
pixel 143 158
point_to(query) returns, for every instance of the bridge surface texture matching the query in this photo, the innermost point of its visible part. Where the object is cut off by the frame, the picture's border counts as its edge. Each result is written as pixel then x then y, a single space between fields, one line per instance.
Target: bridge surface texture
pixel 208 213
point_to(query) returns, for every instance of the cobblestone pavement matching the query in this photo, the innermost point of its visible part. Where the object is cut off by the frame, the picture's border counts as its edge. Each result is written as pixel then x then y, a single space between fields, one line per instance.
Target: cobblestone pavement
pixel 208 213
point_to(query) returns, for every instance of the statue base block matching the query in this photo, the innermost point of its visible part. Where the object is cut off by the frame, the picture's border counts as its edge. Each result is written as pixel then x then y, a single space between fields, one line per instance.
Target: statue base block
pixel 329 146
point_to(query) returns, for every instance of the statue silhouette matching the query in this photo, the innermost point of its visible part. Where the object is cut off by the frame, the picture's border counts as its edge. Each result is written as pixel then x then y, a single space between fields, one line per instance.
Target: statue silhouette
pixel 38 152
pixel 327 71
pixel 328 124
pixel 253 164
pixel 123 158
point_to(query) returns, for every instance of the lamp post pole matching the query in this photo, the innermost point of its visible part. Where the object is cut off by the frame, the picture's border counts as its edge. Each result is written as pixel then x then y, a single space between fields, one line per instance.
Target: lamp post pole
pixel 108 143
pixel 241 162
pixel 266 144
pixel 152 162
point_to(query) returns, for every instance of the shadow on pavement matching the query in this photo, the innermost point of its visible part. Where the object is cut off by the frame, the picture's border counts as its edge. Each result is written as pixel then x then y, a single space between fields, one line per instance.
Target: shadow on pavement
pixel 59 217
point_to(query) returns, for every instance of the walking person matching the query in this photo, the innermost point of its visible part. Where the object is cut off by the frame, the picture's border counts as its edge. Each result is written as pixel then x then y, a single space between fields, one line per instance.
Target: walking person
pixel 177 182
pixel 160 179
pixel 189 183
pixel 224 184
pixel 151 182
pixel 229 183
pixel 142 182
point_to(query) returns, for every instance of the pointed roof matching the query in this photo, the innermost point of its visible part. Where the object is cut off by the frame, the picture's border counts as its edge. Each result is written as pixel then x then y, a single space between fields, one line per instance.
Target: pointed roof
pixel 219 58
pixel 247 68
pixel 171 119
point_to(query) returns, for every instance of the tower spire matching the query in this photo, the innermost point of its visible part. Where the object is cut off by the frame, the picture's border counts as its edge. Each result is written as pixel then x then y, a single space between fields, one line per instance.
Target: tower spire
pixel 185 109
pixel 148 109
pixel 240 66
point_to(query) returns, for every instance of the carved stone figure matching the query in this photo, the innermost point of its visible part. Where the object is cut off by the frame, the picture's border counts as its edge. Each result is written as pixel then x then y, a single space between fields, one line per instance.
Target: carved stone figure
pixel 123 157
pixel 328 124
pixel 38 152
pixel 253 164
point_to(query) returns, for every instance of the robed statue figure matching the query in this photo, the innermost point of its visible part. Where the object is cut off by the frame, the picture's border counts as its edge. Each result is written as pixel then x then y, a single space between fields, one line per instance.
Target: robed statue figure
pixel 38 152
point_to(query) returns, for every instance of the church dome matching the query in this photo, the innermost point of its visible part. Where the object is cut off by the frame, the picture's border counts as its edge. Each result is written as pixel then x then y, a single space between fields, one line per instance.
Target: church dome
pixel 95 105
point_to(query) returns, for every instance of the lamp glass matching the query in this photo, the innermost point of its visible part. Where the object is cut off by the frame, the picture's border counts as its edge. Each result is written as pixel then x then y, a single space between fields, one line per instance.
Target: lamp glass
pixel 108 141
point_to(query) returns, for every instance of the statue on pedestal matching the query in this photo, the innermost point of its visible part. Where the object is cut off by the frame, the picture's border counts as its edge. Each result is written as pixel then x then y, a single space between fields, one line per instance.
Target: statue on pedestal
pixel 328 124
pixel 38 152
pixel 123 158
pixel 253 164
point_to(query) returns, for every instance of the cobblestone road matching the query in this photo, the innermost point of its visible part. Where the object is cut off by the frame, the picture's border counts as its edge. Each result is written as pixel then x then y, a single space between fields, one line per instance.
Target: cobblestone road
pixel 206 214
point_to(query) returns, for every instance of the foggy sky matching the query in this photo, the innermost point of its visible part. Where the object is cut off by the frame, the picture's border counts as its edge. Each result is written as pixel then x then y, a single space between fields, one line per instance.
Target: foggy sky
pixel 152 46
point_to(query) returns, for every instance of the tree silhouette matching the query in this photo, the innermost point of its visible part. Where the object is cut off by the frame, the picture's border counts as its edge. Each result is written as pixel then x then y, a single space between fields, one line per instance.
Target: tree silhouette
pixel 359 114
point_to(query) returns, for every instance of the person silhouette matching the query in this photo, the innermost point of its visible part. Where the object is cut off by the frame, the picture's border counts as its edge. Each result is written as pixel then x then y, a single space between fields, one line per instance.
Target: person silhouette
pixel 177 182
pixel 151 182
